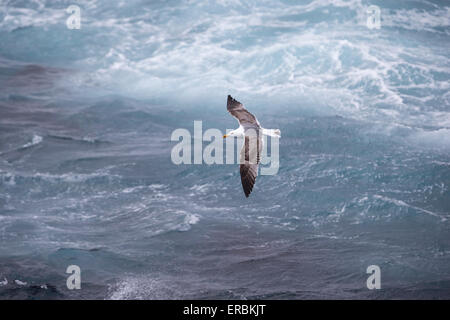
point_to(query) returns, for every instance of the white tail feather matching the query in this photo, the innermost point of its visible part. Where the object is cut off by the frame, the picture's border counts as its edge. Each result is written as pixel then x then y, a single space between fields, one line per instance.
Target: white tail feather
pixel 276 133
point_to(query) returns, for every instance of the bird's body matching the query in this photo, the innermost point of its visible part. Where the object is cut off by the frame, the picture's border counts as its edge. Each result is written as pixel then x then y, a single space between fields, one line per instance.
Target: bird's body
pixel 252 132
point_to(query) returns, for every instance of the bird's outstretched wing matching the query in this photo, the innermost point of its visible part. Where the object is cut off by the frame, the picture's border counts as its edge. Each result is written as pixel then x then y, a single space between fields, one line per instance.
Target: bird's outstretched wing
pixel 238 111
pixel 249 161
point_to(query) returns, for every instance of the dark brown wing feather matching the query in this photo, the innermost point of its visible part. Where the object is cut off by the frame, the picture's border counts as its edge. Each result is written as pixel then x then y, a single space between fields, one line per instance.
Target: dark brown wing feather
pixel 248 177
pixel 249 159
pixel 238 111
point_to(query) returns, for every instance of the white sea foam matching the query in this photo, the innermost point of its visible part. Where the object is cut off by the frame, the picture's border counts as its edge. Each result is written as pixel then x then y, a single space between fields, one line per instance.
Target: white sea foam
pixel 404 204
pixel 142 287
pixel 74 177
pixel 357 70
pixel 192 219
pixel 20 283
pixel 34 141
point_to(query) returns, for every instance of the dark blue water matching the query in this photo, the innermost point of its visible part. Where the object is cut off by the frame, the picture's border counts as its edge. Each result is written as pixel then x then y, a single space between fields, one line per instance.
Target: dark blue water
pixel 86 176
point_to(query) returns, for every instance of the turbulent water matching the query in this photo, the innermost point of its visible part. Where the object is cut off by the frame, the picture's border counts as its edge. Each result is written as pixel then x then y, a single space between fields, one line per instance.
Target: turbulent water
pixel 86 176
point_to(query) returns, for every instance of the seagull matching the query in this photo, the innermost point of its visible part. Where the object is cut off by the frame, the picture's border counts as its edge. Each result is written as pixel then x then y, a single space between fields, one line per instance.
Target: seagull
pixel 251 131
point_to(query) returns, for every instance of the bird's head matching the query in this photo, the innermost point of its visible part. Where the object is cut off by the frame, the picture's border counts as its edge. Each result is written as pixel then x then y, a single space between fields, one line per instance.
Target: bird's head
pixel 233 133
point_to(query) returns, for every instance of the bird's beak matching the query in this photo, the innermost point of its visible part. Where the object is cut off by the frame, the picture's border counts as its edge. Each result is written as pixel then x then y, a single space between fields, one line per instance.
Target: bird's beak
pixel 225 135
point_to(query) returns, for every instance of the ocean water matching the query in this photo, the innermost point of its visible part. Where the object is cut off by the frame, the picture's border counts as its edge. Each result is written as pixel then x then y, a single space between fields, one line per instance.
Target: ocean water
pixel 86 176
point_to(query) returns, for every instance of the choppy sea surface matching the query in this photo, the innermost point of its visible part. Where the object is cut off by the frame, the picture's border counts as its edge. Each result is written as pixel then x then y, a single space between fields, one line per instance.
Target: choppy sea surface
pixel 86 176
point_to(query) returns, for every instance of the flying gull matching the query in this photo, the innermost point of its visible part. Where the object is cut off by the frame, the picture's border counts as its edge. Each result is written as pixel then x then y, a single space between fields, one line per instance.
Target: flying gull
pixel 251 131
